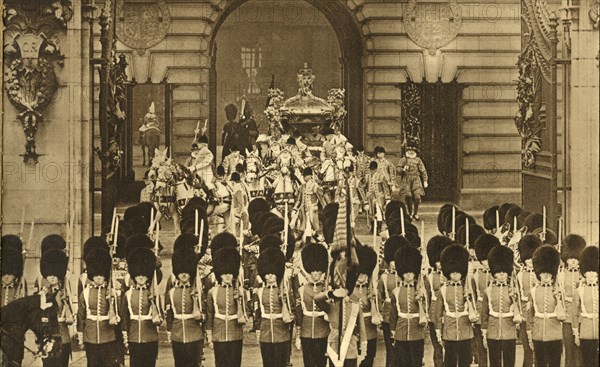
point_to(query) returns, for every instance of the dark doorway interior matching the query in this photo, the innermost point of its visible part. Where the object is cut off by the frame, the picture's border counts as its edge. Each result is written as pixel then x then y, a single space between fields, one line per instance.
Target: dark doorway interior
pixel 430 118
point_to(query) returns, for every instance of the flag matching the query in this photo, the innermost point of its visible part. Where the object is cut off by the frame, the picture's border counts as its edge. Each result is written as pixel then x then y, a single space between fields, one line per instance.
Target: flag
pixel 344 240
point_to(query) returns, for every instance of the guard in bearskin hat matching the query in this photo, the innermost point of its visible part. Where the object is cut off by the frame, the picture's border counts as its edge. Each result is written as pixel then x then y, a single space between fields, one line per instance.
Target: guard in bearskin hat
pixel 584 310
pixel 480 281
pixel 93 326
pixel 364 289
pixel 91 243
pixel 225 316
pixel 12 272
pixel 489 219
pixel 453 307
pixel 185 306
pixel 526 280
pixel 272 308
pixel 140 333
pixel 53 268
pixel 387 283
pixel 53 242
pixel 312 328
pixel 546 308
pixel 406 310
pixel 434 280
pixel 569 278
pixel 500 313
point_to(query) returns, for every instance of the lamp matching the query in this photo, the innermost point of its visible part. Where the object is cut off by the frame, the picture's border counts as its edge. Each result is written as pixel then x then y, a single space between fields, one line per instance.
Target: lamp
pixel 89 10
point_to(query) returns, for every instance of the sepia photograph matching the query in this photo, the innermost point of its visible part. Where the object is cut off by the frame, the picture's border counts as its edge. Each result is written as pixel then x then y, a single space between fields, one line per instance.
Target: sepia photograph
pixel 278 183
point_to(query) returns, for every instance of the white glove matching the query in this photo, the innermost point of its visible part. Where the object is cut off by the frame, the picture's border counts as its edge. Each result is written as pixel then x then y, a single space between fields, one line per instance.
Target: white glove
pixel 126 339
pixel 576 336
pixel 484 338
pixel 209 342
pixel 80 338
pixel 530 339
pixel 169 337
pixel 438 335
pixel 298 343
pixel 257 336
pixel 425 184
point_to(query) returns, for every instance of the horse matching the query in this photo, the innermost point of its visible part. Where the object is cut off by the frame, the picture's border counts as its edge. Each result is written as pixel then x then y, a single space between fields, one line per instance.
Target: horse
pixel 150 140
pixel 254 180
pixel 33 313
pixel 284 186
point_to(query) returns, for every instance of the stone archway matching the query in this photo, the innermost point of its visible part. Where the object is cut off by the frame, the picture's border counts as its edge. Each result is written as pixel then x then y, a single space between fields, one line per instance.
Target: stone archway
pixel 352 47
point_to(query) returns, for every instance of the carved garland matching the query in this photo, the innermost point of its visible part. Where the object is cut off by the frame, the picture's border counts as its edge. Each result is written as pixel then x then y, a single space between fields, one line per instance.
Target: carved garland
pixel 527 116
pixel 272 111
pixel 31 50
pixel 411 114
pixel 335 98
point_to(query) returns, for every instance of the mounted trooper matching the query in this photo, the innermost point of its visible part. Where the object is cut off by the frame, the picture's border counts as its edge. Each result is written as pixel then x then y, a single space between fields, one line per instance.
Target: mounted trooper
pixel 149 121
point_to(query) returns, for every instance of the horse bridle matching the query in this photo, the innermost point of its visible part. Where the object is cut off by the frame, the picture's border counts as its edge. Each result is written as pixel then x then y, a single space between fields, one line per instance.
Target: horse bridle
pixel 36 355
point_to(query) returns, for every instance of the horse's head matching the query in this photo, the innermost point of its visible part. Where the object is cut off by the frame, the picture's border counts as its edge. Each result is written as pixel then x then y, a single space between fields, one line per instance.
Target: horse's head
pixel 252 167
pixel 38 313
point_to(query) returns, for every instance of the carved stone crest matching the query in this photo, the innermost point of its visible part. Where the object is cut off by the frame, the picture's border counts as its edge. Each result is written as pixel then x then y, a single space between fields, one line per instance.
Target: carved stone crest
pixel 31 48
pixel 432 25
pixel 141 25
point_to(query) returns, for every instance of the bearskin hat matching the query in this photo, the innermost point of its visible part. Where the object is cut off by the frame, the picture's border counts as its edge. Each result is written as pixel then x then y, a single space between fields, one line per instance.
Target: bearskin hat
pixel 447 217
pixel 445 210
pixel 92 243
pixel 501 260
pixel 53 242
pixel 98 263
pixel 189 214
pixel 137 240
pixel 203 139
pixel 503 209
pixel 549 239
pixel 315 258
pixel 185 241
pixel 572 246
pixel 120 250
pixel 588 260
pixel 512 213
pixel 413 239
pixel 226 261
pixel 527 246
pixel 221 240
pixel 455 259
pixel 533 222
pixel 435 246
pixel 546 259
pixel 258 205
pixel 12 261
pixel 54 262
pixel 272 225
pixel 184 260
pixel 475 231
pixel 126 229
pixel 271 261
pixel 11 240
pixel 484 244
pixel 489 218
pixel 258 221
pixel 521 219
pixel 393 207
pixel 367 260
pixel 141 261
pixel 393 244
pixel 270 240
pixel 145 210
pixel 408 260
pixel 231 112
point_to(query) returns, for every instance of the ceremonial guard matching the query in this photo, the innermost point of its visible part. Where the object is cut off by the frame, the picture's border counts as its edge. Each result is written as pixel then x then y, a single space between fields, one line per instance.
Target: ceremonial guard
pixel 139 324
pixel 313 329
pixel 546 309
pixel 13 286
pixel 388 171
pixel 230 136
pixel 201 162
pixel 568 279
pixel 308 203
pixel 224 305
pixel 584 310
pixel 53 267
pixel 434 281
pixel 407 308
pixel 184 307
pixel 501 314
pixel 479 283
pixel 387 283
pixel 239 203
pixel 452 314
pixel 376 194
pixel 526 280
pixel 149 121
pixel 93 326
pixel 367 297
pixel 412 171
pixel 272 310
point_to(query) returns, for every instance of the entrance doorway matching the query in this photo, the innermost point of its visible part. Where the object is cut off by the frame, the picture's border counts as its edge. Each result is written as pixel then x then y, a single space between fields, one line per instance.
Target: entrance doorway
pixel 430 118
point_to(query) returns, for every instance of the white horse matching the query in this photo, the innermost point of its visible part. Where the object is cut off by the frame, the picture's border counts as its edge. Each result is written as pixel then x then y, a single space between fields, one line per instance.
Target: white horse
pixel 255 181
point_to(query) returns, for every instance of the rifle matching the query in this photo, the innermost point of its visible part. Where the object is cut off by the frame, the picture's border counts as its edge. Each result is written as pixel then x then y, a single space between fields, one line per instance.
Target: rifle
pixel 21 285
pixel 241 290
pixel 422 292
pixel 375 314
pixel 198 304
pixel 453 233
pixel 68 301
pixel 157 316
pixel 403 229
pixel 543 233
pixel 113 314
pixel 516 296
pixel 470 299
